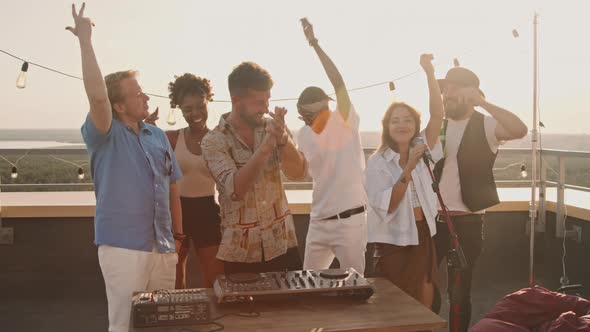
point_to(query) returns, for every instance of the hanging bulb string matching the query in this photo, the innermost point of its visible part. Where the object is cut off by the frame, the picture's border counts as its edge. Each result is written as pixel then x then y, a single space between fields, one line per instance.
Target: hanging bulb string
pixel 41 66
pixel 21 157
pixel 509 166
pixel 81 174
pixel 451 60
pixel 68 161
pixel 229 101
pixel 15 164
pixel 8 161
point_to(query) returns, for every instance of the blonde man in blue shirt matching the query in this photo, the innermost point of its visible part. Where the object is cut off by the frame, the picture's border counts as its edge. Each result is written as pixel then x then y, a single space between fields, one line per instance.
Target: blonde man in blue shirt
pixel 137 204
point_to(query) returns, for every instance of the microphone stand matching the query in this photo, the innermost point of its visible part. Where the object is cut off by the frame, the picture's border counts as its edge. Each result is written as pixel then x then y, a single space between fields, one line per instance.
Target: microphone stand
pixel 455 258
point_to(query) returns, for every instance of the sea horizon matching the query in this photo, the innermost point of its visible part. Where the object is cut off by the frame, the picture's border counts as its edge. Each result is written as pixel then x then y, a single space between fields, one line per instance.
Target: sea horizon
pixel 72 137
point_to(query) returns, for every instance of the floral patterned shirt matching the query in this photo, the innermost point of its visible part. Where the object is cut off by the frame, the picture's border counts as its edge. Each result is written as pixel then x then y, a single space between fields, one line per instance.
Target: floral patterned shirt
pixel 259 226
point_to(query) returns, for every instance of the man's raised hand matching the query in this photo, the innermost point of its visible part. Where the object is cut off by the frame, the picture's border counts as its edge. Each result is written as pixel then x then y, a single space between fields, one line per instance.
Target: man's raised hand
pixel 308 31
pixel 82 25
pixel 278 125
pixel 426 63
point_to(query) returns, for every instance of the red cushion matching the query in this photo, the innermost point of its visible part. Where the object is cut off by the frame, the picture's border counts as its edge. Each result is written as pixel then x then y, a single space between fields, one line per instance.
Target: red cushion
pixel 567 322
pixel 533 307
pixel 490 324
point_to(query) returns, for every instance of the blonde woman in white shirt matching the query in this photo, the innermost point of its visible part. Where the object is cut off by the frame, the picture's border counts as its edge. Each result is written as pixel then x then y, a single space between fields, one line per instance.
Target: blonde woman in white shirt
pixel 401 221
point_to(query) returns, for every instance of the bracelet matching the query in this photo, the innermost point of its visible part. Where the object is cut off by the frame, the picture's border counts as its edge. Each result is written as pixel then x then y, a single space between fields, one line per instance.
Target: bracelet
pixel 179 236
pixel 313 42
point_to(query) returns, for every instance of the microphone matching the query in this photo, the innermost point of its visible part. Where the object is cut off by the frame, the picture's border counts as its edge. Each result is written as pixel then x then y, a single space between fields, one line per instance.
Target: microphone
pixel 427 157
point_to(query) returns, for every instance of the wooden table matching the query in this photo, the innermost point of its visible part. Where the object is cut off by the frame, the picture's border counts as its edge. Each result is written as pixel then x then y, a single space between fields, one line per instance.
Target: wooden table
pixel 389 309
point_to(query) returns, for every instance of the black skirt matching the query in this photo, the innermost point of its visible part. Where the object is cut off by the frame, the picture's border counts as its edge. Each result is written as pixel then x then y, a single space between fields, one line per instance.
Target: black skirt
pixel 201 220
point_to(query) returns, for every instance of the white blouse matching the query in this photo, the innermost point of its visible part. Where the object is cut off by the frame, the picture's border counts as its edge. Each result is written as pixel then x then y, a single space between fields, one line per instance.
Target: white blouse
pixel 398 227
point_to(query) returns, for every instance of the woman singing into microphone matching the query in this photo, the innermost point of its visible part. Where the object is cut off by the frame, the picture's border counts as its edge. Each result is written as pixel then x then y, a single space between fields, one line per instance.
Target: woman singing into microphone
pixel 401 221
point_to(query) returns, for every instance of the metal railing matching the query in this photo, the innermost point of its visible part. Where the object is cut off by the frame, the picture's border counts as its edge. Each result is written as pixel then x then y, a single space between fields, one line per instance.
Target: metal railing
pixel 560 157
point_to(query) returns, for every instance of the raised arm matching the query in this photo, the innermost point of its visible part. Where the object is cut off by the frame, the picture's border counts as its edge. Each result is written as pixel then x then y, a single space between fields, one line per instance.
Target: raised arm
pixel 509 125
pixel 342 97
pixel 96 90
pixel 436 103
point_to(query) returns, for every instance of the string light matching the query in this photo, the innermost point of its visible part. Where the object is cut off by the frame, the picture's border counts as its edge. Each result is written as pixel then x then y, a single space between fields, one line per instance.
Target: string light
pixel 515 33
pixel 389 82
pixel 14 169
pixel 21 81
pixel 81 174
pixel 171 120
pixel 523 173
pixel 391 86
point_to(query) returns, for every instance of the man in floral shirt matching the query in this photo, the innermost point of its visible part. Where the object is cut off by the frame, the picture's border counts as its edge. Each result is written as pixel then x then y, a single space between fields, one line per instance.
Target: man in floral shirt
pixel 245 154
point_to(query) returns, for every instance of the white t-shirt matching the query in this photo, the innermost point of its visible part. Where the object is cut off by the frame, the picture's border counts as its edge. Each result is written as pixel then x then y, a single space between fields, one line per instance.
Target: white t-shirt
pixel 450 185
pixel 336 163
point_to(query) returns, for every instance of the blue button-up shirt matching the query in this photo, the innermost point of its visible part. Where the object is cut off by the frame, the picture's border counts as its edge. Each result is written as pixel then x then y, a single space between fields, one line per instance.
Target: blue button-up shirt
pixel 132 175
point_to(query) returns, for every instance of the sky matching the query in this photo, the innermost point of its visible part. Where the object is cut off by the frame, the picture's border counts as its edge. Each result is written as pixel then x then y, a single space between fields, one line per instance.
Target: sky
pixel 370 42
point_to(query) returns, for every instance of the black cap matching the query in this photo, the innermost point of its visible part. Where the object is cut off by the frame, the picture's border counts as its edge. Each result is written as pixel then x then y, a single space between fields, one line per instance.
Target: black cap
pixel 462 77
pixel 312 94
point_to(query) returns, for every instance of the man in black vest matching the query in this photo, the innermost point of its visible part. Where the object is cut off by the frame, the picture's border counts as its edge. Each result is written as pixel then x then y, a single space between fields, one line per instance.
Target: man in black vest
pixel 470 144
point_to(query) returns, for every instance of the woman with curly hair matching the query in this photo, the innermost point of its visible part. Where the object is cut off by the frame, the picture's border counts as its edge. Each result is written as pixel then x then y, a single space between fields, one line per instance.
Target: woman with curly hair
pixel 200 212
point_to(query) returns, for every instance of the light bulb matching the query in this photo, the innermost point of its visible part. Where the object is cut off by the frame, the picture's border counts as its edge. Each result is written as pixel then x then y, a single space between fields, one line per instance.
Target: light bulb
pixel 80 173
pixel 171 120
pixel 14 173
pixel 456 62
pixel 391 86
pixel 21 81
pixel 523 172
pixel 515 33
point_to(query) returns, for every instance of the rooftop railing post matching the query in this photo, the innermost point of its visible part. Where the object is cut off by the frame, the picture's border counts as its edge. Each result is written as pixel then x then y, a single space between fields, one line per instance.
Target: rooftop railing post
pixel 534 141
pixel 559 225
pixel 542 194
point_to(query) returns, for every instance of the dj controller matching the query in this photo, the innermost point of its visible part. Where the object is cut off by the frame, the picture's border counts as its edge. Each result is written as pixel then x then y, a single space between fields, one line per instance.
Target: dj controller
pixel 248 287
pixel 192 306
pixel 171 307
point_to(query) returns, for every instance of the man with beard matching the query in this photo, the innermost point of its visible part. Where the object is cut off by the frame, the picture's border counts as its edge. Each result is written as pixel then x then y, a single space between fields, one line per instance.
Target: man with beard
pixel 470 144
pixel 245 154
pixel 134 169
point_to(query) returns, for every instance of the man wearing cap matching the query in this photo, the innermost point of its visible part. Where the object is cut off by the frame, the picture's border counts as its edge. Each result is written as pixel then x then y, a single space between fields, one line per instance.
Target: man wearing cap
pixel 331 144
pixel 470 144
